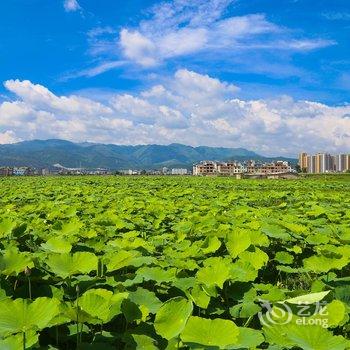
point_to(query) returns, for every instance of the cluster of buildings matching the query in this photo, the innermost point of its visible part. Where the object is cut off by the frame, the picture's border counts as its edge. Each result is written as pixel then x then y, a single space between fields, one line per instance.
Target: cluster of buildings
pixel 324 163
pixel 21 171
pixel 251 167
pixel 163 171
pixel 56 170
pixel 314 164
pixel 62 170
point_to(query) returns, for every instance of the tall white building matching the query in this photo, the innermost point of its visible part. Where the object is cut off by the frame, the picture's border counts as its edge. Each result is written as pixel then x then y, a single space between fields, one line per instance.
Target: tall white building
pixel 324 163
pixel 341 162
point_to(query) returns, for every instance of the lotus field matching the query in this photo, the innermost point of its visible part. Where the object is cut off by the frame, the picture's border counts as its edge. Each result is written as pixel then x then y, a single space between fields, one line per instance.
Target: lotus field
pixel 174 263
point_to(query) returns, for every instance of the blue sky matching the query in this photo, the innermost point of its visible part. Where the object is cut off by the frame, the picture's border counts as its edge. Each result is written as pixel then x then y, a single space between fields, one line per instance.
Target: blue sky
pixel 258 73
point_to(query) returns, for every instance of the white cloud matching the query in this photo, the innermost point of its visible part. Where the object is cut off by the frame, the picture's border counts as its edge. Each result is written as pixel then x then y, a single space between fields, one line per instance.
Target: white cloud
pixel 93 71
pixel 138 48
pixel 38 97
pixel 207 31
pixel 198 83
pixel 98 31
pixel 8 137
pixel 337 16
pixel 180 28
pixel 304 44
pixel 71 5
pixel 188 107
pixel 150 45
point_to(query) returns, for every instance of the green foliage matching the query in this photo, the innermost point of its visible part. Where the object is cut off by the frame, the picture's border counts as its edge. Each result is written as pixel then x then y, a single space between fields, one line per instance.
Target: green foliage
pixel 174 263
pixel 64 265
pixel 21 315
pixel 171 318
pixel 14 262
pixel 205 332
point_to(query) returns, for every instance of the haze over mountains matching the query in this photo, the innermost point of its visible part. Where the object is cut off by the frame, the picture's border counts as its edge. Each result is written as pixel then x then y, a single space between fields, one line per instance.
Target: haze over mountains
pixel 45 153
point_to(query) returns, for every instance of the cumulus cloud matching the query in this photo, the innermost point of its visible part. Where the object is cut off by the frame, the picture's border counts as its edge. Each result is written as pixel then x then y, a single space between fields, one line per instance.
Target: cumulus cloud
pixel 71 5
pixel 189 108
pixel 8 137
pixel 39 97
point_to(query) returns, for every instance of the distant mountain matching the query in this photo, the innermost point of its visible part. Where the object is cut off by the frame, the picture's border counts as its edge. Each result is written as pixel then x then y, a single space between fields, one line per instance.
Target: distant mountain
pixel 45 153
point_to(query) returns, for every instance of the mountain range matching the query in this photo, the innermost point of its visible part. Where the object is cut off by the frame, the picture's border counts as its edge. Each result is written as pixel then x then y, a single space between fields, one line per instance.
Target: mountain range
pixel 46 153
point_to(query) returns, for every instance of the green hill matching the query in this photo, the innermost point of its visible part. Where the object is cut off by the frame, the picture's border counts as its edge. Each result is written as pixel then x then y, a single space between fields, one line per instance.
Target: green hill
pixel 45 153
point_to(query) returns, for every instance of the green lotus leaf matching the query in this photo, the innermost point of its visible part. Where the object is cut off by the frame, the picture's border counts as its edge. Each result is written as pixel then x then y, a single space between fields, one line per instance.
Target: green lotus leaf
pixel 275 231
pixel 270 292
pixel 295 249
pixel 57 245
pixel 257 259
pixel 156 274
pixel 284 258
pixel 6 227
pixel 184 283
pixel 316 338
pixel 238 242
pixel 308 298
pixel 200 297
pixel 64 265
pixel 206 332
pixel 70 228
pixel 248 338
pixel 332 314
pixel 245 309
pixel 13 262
pixel 131 311
pixel 215 274
pixel 144 297
pixel 101 303
pixel 276 335
pixel 243 271
pixel 121 259
pixel 72 329
pixel 211 245
pixel 305 337
pixel 15 342
pixel 316 211
pixel 171 318
pixel 21 315
pixel 143 342
pixel 317 239
pixel 72 313
pixel 96 302
pixel 295 228
pixel 3 295
pixel 320 263
pixel 258 239
pixel 343 293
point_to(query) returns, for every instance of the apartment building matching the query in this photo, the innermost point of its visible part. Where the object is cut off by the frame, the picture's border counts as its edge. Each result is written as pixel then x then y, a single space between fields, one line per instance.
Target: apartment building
pixel 6 171
pixel 341 162
pixel 303 161
pixel 251 167
pixel 230 168
pixel 275 167
pixel 206 167
pixel 324 163
pixel 234 168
